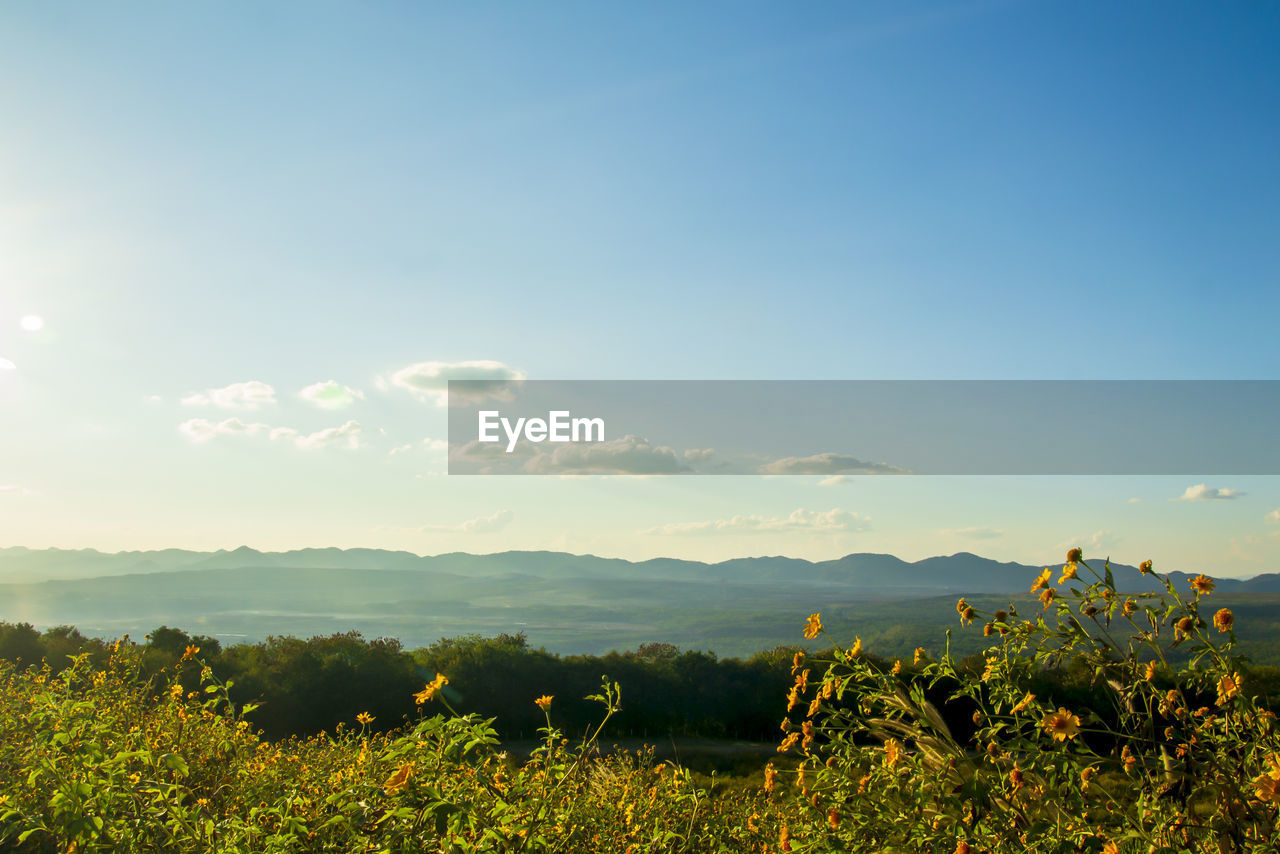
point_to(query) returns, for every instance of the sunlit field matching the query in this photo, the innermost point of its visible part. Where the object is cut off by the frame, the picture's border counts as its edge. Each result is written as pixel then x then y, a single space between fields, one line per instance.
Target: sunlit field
pixel 1173 750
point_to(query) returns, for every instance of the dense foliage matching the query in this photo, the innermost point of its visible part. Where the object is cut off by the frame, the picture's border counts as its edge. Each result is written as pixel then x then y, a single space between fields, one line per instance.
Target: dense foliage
pixel 1097 721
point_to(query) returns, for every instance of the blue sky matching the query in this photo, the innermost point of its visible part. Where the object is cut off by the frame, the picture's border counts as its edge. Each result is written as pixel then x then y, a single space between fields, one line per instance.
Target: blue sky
pixel 198 195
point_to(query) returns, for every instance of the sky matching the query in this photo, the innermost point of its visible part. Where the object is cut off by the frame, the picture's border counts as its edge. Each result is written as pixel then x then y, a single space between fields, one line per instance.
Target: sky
pixel 229 232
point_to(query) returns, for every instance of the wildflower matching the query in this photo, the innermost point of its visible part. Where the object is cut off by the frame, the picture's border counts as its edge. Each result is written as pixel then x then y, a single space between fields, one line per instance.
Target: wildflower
pixel 807 741
pixel 892 752
pixel 429 692
pixel 1068 573
pixel 1075 556
pixel 1151 671
pixel 397 780
pixel 793 697
pixel 920 655
pixel 796 661
pixel 897 666
pixel 751 822
pixel 1129 762
pixel 544 702
pixel 1129 607
pixel 770 777
pixel 784 838
pixel 1042 580
pixel 813 626
pixel 800 784
pixel 857 647
pixel 789 742
pixel 828 688
pixel 1015 778
pixel 1047 596
pixel 1110 848
pixel 967 616
pixel 1202 584
pixel 1001 616
pixel 1266 786
pixel 1228 687
pixel 814 706
pixel 1062 725
pixel 833 819
pixel 1085 776
pixel 802 679
pixel 1223 620
pixel 961 605
pixel 963 847
pixel 190 652
pixel 1145 566
pixel 1024 702
pixel 364 718
pixel 1184 626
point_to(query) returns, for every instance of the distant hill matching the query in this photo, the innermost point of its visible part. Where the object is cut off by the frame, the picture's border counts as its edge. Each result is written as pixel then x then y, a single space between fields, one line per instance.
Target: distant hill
pixel 569 603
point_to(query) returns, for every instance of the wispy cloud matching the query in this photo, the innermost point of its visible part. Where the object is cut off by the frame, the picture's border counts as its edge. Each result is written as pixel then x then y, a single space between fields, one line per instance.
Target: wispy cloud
pixel 975 533
pixel 813 521
pixel 430 380
pixel 828 464
pixel 200 430
pixel 13 489
pixel 479 525
pixel 837 480
pixel 331 394
pixel 1201 492
pixel 427 444
pixel 1274 515
pixel 245 395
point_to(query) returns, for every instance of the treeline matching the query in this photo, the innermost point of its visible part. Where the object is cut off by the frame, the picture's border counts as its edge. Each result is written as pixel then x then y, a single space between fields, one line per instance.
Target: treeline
pixel 307 686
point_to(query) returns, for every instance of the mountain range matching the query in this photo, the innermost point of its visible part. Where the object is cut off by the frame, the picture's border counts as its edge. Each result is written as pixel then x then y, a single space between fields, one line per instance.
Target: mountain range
pixel 568 603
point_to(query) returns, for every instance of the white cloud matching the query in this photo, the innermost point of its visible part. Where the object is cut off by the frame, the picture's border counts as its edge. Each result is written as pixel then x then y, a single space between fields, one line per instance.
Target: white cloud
pixel 331 394
pixel 1092 544
pixel 836 480
pixel 245 395
pixel 811 521
pixel 13 489
pixel 202 430
pixel 479 525
pixel 6 365
pixel 828 464
pixel 628 455
pixel 699 455
pixel 348 436
pixel 1274 515
pixel 975 533
pixel 427 444
pixel 1200 492
pixel 430 380
pixel 1135 500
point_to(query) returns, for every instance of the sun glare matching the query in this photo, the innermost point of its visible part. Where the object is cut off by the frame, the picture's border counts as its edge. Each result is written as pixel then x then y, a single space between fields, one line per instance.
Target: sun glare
pixel 32 323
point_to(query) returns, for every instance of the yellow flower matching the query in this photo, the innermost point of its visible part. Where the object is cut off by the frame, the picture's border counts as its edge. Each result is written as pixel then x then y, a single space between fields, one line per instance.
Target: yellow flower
pixel 789 742
pixel 1042 580
pixel 812 626
pixel 770 777
pixel 892 752
pixel 1075 556
pixel 920 655
pixel 190 652
pixel 1202 584
pixel 1266 786
pixel 814 706
pixel 833 819
pixel 857 647
pixel 1047 596
pixel 807 741
pixel 1145 566
pixel 364 718
pixel 963 847
pixel 796 661
pixel 1086 775
pixel 1223 620
pixel 961 605
pixel 1061 724
pixel 1110 848
pixel 1184 626
pixel 1228 687
pixel 429 692
pixel 897 666
pixel 793 697
pixel 1024 702
pixel 1129 607
pixel 397 780
pixel 544 702
pixel 1068 573
pixel 1015 778
pixel 1151 671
